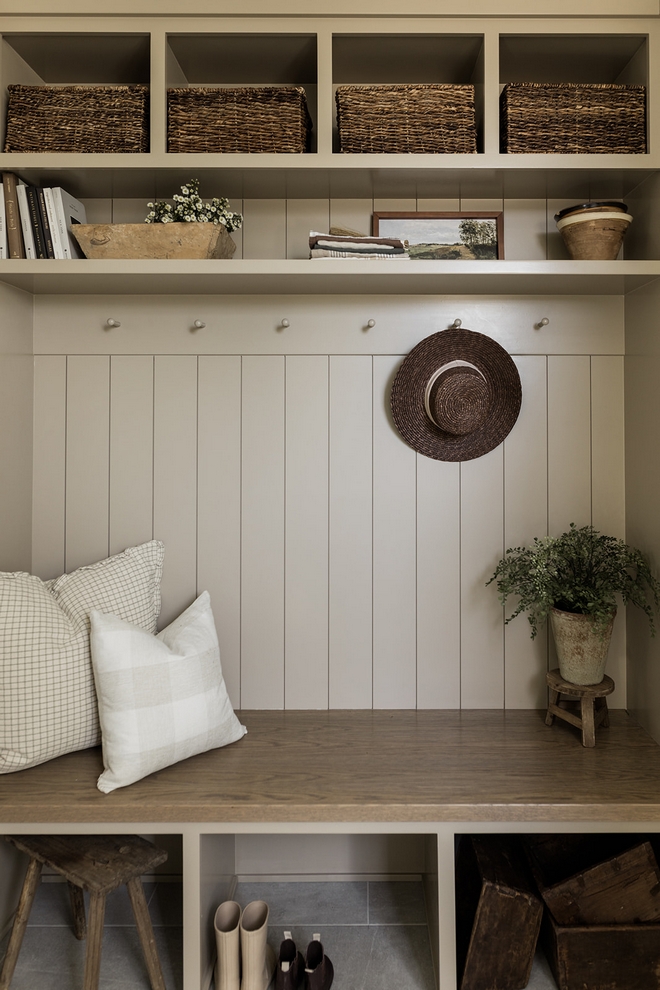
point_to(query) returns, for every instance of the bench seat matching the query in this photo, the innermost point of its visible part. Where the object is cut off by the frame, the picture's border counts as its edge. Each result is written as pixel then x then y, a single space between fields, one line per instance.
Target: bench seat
pixel 368 766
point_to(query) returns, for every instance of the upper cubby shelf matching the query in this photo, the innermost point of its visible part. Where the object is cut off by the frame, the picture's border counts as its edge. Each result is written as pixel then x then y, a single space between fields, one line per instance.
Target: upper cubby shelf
pixel 319 54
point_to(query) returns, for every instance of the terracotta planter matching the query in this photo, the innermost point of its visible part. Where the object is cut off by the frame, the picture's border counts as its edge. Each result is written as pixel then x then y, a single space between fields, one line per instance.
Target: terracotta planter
pixel 581 650
pixel 594 231
pixel 153 240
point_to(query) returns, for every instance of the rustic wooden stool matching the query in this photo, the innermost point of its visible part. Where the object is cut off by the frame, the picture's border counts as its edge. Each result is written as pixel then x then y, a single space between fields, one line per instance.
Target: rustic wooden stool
pixel 593 704
pixel 99 864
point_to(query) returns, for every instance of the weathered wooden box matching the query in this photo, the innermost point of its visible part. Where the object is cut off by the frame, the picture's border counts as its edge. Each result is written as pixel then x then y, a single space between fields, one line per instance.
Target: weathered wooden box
pixel 498 914
pixel 596 880
pixel 602 957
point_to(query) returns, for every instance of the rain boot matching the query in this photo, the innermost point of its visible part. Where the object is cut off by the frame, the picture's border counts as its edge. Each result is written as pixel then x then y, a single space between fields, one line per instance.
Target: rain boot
pixel 227 939
pixel 258 958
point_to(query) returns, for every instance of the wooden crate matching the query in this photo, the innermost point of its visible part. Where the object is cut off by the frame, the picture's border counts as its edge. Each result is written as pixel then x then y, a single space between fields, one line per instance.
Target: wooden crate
pixel 594 881
pixel 498 914
pixel 433 118
pixel 573 118
pixel 602 957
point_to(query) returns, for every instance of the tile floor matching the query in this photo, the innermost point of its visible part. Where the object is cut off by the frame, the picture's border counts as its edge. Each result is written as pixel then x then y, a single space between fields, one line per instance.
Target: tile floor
pixel 51 958
pixel 375 933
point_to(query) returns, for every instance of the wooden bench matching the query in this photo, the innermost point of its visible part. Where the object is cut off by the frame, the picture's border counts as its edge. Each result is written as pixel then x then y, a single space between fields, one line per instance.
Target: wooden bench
pixel 427 774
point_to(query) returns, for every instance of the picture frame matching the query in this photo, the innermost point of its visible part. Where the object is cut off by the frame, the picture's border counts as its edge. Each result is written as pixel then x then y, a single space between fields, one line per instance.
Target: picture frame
pixel 462 236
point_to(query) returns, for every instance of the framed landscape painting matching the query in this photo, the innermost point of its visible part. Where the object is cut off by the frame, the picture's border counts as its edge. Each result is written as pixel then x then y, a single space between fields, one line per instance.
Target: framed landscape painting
pixel 445 236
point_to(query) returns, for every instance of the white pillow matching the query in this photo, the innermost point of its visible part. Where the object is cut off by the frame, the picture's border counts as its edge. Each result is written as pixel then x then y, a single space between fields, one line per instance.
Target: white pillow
pixel 47 697
pixel 161 698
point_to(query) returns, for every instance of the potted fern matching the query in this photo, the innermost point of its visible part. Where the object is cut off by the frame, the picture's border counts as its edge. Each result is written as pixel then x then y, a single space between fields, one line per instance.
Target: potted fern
pixel 577 579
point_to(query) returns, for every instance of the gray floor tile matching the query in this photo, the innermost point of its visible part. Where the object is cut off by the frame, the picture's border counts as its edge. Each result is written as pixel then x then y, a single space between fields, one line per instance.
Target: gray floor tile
pixel 52 958
pixel 339 903
pixel 541 977
pixel 52 905
pixel 166 904
pixel 373 957
pixel 399 902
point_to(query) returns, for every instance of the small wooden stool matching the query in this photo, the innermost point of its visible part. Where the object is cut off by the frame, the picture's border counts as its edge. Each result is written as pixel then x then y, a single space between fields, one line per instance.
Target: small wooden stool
pixel 99 864
pixel 592 696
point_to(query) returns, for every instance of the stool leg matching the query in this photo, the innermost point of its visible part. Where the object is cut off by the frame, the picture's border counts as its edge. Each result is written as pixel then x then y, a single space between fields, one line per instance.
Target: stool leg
pixel 94 941
pixel 588 727
pixel 30 885
pixel 146 933
pixel 606 717
pixel 552 700
pixel 78 909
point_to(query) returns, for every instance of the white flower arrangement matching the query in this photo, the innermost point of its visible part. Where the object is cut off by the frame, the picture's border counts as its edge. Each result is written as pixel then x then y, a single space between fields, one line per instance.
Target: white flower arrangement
pixel 188 208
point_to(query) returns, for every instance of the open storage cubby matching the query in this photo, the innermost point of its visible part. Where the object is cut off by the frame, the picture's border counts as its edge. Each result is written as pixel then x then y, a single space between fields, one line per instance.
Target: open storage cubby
pixel 71 58
pixel 372 897
pixel 373 59
pixel 245 59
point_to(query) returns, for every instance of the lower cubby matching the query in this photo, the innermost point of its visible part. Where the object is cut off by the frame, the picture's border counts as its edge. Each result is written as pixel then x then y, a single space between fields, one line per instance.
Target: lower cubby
pixel 372 898
pixel 573 911
pixel 52 958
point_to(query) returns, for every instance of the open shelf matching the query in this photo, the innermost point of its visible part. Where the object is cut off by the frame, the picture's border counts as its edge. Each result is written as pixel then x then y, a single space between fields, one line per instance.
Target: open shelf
pixel 329 276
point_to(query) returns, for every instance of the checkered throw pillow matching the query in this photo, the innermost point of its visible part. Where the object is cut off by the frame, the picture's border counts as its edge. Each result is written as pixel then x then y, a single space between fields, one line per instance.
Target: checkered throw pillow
pixel 161 698
pixel 47 698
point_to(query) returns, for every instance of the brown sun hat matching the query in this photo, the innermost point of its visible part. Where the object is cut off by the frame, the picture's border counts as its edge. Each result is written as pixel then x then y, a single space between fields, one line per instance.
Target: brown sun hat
pixel 456 396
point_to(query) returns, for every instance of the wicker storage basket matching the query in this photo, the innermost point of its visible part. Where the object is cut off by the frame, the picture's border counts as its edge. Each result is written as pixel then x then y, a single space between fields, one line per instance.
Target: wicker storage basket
pixel 572 118
pixel 244 120
pixel 89 119
pixel 406 119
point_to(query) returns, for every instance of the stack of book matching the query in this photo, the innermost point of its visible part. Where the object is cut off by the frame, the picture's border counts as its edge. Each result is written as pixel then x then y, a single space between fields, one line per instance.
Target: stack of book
pixel 35 222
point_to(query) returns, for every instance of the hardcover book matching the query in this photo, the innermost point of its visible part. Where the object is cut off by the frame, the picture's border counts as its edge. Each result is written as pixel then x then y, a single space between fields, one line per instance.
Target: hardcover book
pixel 14 234
pixel 26 223
pixel 68 211
pixel 3 225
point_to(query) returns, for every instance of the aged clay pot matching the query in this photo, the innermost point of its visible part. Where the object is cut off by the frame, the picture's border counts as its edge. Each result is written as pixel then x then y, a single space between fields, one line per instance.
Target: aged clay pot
pixel 581 650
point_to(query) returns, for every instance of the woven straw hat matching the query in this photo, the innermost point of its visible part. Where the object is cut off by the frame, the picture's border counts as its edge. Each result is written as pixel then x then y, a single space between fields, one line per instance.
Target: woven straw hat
pixel 456 396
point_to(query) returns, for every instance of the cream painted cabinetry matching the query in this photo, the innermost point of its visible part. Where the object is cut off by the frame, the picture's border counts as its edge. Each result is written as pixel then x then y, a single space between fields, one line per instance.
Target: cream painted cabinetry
pixel 282 196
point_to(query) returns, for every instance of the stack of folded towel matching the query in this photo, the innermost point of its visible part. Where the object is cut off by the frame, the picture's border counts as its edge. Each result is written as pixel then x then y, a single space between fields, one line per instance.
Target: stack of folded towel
pixel 345 246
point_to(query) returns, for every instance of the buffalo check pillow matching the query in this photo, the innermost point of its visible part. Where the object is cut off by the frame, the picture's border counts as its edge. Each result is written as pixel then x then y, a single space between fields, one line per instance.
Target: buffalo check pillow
pixel 161 698
pixel 47 697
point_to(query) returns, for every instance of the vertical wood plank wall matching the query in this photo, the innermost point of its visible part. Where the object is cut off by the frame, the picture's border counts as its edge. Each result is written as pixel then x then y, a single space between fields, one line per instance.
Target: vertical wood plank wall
pixel 345 570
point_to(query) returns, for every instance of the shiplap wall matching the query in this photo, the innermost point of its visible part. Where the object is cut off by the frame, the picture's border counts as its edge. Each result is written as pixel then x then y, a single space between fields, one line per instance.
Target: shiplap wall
pixel 15 429
pixel 279 228
pixel 345 570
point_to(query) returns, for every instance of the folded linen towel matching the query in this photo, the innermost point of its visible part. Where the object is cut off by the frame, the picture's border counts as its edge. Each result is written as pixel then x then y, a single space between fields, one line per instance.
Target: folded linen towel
pixel 337 242
pixel 359 255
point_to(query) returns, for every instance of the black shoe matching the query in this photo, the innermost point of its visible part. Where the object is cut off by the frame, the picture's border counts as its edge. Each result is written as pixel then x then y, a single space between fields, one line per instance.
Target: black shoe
pixel 319 971
pixel 290 965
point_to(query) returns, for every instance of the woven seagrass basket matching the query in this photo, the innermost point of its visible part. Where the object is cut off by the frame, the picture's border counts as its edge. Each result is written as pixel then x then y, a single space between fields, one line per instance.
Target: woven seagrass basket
pixel 239 120
pixel 88 119
pixel 573 118
pixel 434 118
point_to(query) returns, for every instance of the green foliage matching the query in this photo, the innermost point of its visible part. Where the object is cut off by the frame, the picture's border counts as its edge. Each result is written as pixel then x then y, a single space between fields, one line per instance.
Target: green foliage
pixel 580 571
pixel 474 232
pixel 189 207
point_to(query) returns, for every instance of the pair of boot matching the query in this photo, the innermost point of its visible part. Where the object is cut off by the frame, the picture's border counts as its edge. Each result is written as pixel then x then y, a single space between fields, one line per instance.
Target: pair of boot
pixel 316 968
pixel 245 960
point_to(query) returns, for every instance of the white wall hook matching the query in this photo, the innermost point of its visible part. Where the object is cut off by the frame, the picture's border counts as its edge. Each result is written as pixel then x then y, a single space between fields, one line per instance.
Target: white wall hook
pixel 371 324
pixel 199 325
pixel 284 324
pixel 456 324
pixel 112 323
pixel 542 323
